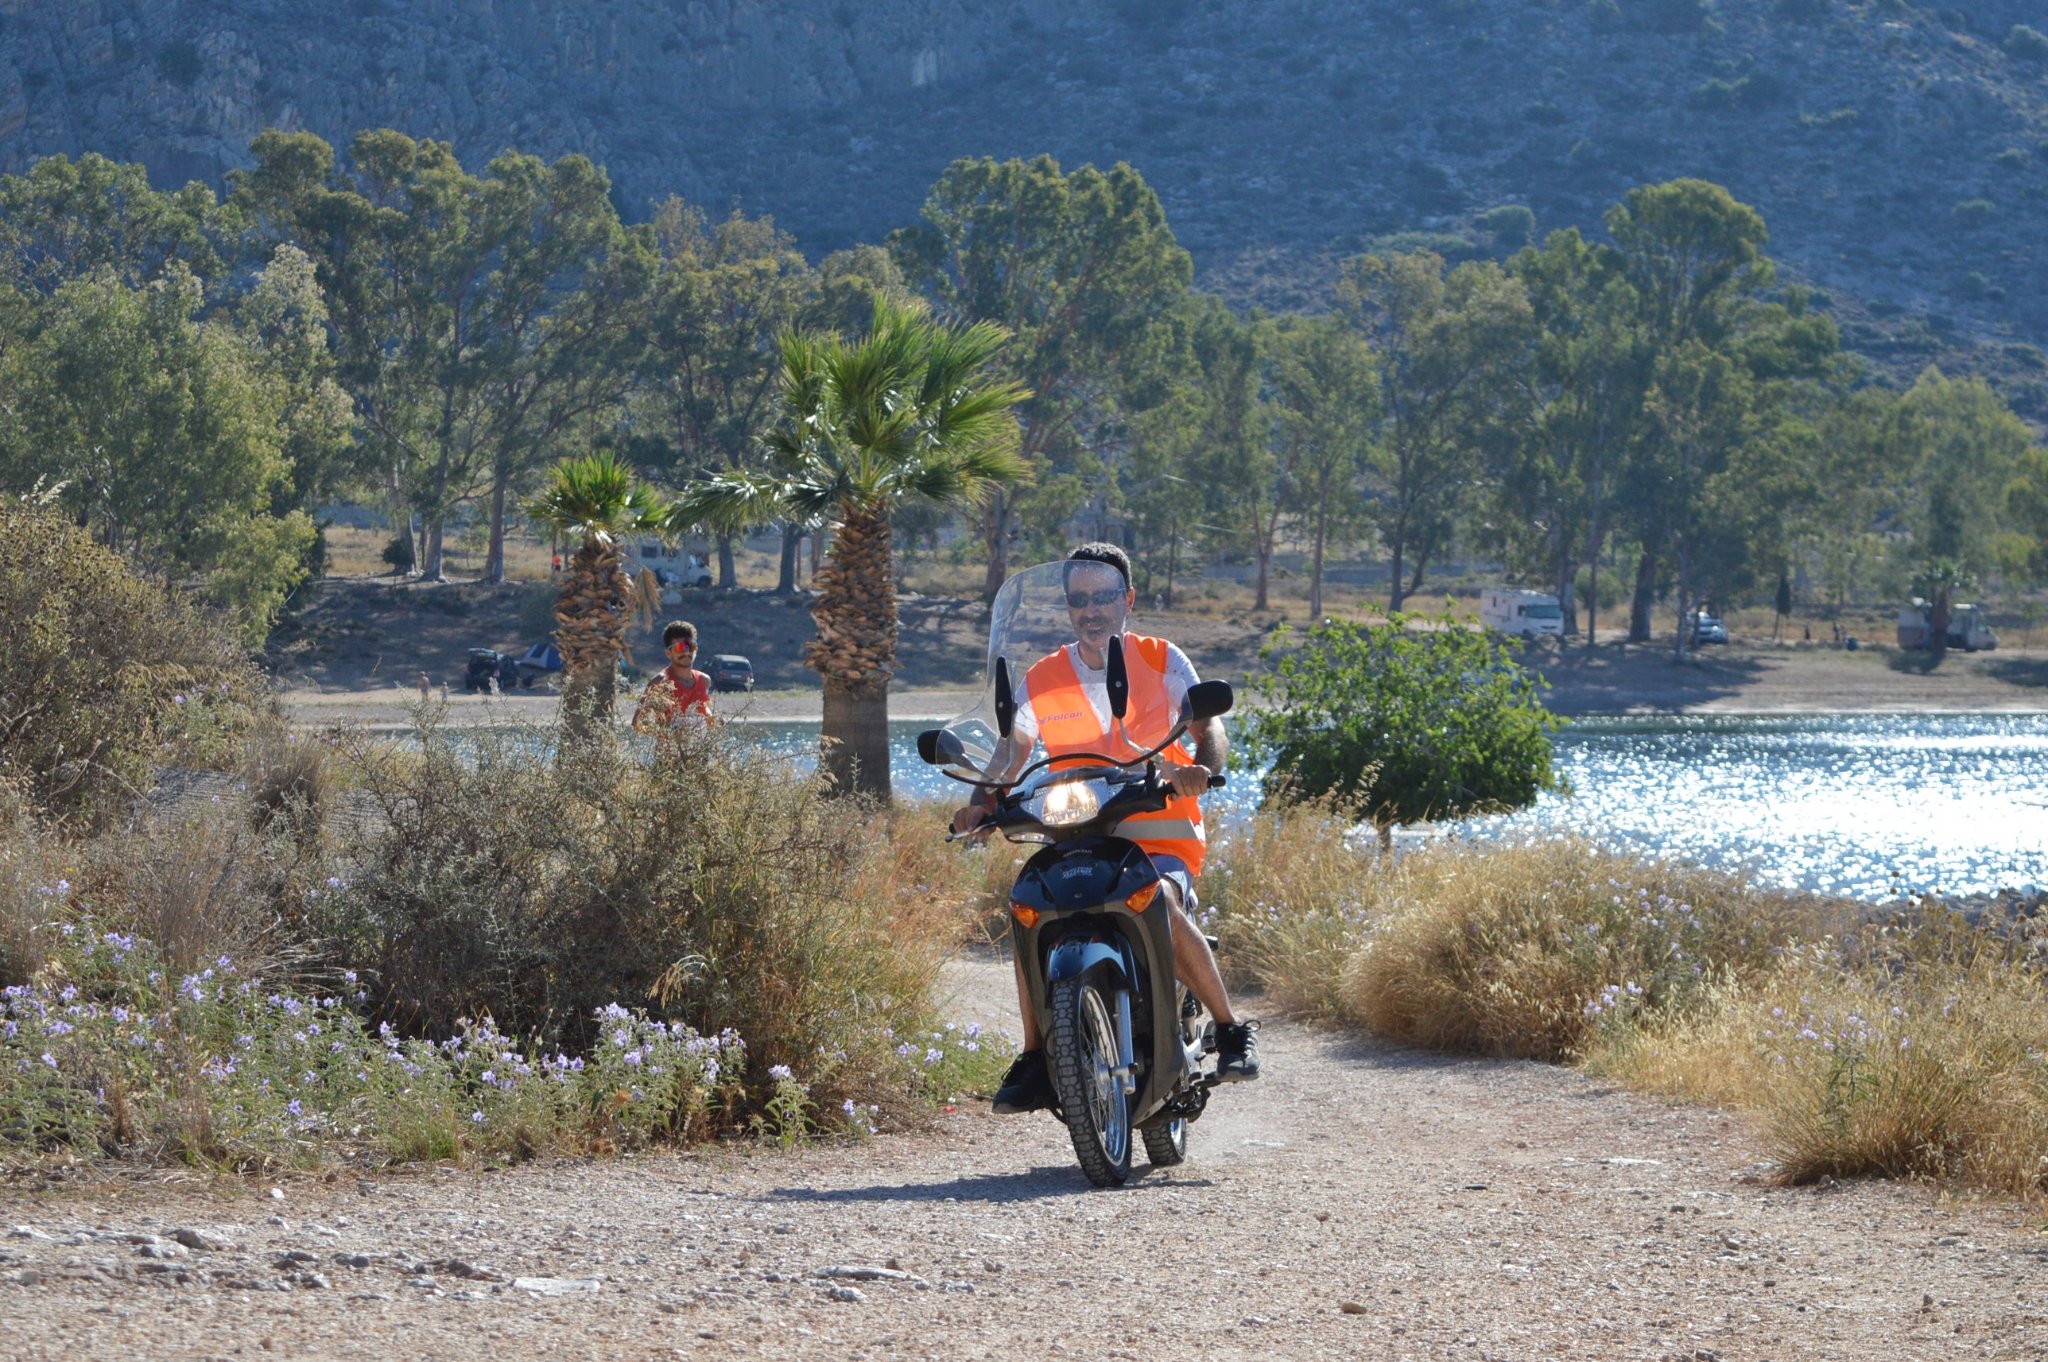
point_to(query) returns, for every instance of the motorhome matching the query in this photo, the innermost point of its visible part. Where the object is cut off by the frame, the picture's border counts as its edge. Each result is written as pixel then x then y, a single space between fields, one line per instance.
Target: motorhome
pixel 1968 629
pixel 1524 613
pixel 670 565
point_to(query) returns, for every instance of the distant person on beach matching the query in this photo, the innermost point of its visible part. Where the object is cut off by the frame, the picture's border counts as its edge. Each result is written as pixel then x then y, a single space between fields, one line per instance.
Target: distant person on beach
pixel 679 696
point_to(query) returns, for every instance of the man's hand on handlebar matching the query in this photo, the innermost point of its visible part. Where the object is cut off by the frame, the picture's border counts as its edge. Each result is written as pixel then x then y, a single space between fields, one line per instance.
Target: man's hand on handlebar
pixel 1189 780
pixel 971 818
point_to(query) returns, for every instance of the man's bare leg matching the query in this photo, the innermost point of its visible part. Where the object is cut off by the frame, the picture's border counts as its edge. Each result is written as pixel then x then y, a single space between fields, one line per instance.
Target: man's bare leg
pixel 1194 964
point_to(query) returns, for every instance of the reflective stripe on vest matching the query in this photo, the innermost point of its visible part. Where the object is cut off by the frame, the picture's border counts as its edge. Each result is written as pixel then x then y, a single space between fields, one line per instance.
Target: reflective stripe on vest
pixel 1067 723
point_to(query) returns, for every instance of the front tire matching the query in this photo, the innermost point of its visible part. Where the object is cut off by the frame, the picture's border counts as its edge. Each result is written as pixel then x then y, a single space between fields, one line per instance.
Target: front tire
pixel 1083 1052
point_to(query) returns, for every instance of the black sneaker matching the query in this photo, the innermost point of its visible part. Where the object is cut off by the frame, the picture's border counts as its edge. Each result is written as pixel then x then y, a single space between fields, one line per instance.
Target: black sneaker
pixel 1237 1052
pixel 1026 1087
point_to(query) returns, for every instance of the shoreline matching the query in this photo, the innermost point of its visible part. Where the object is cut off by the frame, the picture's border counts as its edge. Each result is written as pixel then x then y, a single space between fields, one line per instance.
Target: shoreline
pixel 393 710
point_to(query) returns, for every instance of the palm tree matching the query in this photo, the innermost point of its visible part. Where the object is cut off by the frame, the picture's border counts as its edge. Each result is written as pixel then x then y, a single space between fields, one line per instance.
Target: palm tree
pixel 595 499
pixel 907 414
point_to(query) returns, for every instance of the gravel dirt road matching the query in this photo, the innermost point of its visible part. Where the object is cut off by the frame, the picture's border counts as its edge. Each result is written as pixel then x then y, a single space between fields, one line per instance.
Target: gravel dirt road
pixel 1359 1202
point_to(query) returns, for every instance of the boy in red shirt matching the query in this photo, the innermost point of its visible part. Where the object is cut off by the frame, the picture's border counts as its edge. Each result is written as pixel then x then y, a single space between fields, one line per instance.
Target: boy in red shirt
pixel 679 696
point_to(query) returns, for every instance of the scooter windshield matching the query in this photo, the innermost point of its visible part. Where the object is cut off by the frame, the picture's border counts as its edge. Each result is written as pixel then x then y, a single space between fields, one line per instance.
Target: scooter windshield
pixel 1035 615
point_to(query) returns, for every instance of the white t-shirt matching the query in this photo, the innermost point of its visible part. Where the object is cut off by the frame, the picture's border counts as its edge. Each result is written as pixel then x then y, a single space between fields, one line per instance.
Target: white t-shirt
pixel 1180 675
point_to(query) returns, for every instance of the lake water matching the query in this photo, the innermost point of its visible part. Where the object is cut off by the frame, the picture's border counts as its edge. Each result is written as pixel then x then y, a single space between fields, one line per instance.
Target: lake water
pixel 1871 806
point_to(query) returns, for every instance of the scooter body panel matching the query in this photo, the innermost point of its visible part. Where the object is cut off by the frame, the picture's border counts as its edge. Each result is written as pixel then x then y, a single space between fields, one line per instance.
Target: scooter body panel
pixel 1080 889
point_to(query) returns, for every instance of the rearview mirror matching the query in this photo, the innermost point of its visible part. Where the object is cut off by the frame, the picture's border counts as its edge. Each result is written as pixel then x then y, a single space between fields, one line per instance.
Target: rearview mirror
pixel 1117 679
pixel 1208 700
pixel 1006 699
pixel 941 747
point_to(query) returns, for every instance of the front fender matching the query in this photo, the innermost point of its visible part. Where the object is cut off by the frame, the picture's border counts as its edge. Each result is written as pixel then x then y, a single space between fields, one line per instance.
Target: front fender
pixel 1075 958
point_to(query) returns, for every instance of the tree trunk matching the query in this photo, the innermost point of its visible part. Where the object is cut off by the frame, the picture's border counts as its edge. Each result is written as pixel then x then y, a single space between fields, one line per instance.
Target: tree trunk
pixel 1593 584
pixel 785 572
pixel 728 570
pixel 1684 630
pixel 1395 595
pixel 1639 604
pixel 1421 562
pixel 1567 598
pixel 854 738
pixel 995 541
pixel 1315 570
pixel 1172 562
pixel 494 557
pixel 1937 622
pixel 817 554
pixel 855 653
pixel 591 614
pixel 430 563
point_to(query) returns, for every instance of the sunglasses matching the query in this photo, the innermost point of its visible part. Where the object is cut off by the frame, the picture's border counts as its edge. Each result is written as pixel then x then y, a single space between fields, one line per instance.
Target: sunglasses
pixel 680 647
pixel 1081 600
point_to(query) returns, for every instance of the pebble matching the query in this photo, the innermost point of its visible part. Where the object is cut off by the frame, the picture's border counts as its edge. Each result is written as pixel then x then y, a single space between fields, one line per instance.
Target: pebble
pixel 294 1257
pixel 863 1274
pixel 277 1194
pixel 198 1239
pixel 29 1232
pixel 314 1281
pixel 161 1249
pixel 852 1295
pixel 556 1286
pixel 966 1288
pixel 353 1259
pixel 1351 1308
pixel 475 1272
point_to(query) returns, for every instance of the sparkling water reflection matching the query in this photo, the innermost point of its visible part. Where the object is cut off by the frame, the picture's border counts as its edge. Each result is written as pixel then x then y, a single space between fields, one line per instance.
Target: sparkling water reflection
pixel 1871 806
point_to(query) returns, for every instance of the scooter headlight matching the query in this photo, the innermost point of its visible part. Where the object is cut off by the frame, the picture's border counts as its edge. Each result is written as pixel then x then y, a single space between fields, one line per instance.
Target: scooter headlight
pixel 1068 803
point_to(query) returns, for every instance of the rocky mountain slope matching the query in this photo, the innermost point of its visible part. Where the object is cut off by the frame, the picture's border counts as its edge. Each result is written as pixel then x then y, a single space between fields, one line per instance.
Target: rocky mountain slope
pixel 1899 152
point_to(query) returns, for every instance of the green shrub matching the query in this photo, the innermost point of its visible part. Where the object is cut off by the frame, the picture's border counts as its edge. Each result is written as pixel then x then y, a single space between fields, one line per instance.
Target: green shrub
pixel 496 874
pixel 2012 158
pixel 1512 225
pixel 106 677
pixel 2027 44
pixel 1418 718
pixel 1974 214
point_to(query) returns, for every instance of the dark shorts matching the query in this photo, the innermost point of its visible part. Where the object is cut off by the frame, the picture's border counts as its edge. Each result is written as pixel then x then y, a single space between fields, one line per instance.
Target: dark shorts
pixel 1175 869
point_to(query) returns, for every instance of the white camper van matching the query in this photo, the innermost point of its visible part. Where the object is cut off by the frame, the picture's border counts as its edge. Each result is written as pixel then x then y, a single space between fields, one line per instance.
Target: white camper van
pixel 1967 627
pixel 670 565
pixel 1525 613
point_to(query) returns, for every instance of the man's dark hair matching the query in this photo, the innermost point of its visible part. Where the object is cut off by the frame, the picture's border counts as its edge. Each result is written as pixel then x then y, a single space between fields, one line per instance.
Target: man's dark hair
pixel 1098 553
pixel 678 629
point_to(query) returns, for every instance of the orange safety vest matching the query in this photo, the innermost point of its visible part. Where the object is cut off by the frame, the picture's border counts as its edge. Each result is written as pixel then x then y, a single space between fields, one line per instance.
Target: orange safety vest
pixel 1067 723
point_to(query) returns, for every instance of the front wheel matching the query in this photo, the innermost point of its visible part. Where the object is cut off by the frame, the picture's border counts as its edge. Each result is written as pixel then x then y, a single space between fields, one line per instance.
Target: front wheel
pixel 1083 1050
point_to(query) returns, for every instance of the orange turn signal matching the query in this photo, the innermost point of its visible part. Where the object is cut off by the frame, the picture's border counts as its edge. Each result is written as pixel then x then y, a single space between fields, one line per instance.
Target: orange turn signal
pixel 1142 900
pixel 1025 914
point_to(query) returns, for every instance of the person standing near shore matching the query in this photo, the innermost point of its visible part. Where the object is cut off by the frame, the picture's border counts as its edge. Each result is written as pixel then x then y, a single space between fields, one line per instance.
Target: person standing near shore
pixel 679 696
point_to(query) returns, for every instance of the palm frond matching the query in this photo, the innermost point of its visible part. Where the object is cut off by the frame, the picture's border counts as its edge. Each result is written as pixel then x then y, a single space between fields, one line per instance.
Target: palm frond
pixel 596 494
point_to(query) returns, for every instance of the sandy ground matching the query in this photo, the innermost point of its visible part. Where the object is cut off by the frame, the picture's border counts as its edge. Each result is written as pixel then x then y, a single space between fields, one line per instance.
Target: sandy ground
pixel 1360 1201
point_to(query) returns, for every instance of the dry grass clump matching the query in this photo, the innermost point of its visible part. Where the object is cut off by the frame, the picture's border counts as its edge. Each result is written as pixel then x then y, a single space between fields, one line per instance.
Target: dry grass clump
pixel 1520 950
pixel 1484 948
pixel 1928 1058
pixel 1293 895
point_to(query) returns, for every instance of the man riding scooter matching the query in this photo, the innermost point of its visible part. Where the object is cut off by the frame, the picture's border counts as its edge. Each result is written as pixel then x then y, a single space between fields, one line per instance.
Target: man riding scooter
pixel 1065 706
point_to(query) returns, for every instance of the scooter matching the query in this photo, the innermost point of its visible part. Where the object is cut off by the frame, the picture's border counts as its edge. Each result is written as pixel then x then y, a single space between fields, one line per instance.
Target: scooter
pixel 1089 920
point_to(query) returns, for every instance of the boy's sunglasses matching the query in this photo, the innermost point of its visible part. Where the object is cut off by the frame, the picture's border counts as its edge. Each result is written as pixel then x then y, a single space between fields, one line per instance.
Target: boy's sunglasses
pixel 1081 600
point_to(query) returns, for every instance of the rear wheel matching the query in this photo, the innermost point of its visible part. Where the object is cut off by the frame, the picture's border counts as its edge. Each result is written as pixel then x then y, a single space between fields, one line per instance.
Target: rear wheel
pixel 1167 1144
pixel 1083 1052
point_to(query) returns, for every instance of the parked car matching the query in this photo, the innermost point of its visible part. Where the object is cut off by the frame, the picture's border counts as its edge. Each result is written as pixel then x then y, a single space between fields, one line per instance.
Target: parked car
pixel 729 671
pixel 1707 628
pixel 482 670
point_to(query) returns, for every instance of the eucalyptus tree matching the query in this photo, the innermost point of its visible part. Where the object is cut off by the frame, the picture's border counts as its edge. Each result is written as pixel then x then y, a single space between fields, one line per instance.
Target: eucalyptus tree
pixel 1449 346
pixel 1076 265
pixel 597 502
pixel 912 412
pixel 480 321
pixel 725 291
pixel 1325 399
pixel 62 219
